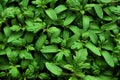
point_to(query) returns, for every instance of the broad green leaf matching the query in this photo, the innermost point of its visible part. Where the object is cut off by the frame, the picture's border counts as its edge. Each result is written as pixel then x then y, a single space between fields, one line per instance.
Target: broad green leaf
pixel 24 63
pixel 108 58
pixel 24 54
pixel 19 42
pixel 98 10
pixel 12 55
pixel 107 18
pixel 94 26
pixel 59 56
pixel 81 55
pixel 51 13
pixel 43 76
pixel 24 3
pixel 66 34
pixel 108 46
pixel 15 28
pixel 73 78
pixel 86 22
pixel 77 45
pixel 106 1
pixel 14 36
pixel 74 4
pixel 93 48
pixel 7 31
pixel 71 40
pixel 29 37
pixel 40 41
pixel 34 27
pixel 93 37
pixel 14 72
pixel 88 77
pixel 53 68
pixel 4 67
pixel 10 12
pixel 49 49
pixel 53 32
pixel 55 40
pixel 109 26
pixel 75 29
pixel 69 19
pixel 60 8
pixel 69 67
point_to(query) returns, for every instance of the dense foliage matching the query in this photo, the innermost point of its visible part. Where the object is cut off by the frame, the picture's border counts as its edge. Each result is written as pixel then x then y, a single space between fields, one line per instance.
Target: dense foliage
pixel 60 39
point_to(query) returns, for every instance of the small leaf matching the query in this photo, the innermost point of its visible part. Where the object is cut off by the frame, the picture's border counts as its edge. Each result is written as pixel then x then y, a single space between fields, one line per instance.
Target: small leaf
pixel 41 40
pixel 49 49
pixel 86 22
pixel 88 77
pixel 71 40
pixel 14 36
pixel 98 10
pixel 14 72
pixel 25 55
pixel 24 3
pixel 7 31
pixel 69 19
pixel 106 1
pixel 51 13
pixel 93 48
pixel 108 58
pixel 53 68
pixel 60 8
pixel 81 55
pixel 4 67
pixel 75 29
pixel 73 78
pixel 93 37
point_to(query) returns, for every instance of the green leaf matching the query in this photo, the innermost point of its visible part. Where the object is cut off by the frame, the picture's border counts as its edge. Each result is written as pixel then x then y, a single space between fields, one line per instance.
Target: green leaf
pixel 14 72
pixel 15 28
pixel 12 55
pixel 49 49
pixel 40 41
pixel 73 78
pixel 25 55
pixel 106 1
pixel 51 13
pixel 88 77
pixel 81 55
pixel 34 27
pixel 108 46
pixel 108 58
pixel 14 36
pixel 69 19
pixel 19 42
pixel 93 37
pixel 7 31
pixel 71 40
pixel 86 22
pixel 93 48
pixel 2 74
pixel 4 67
pixel 24 3
pixel 29 37
pixel 75 29
pixel 98 10
pixel 53 32
pixel 60 9
pixel 53 68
